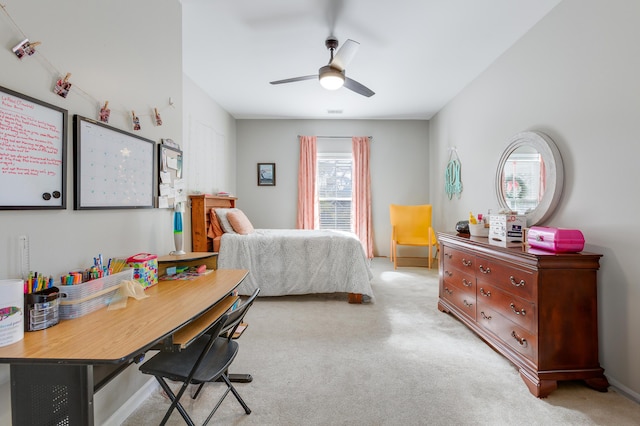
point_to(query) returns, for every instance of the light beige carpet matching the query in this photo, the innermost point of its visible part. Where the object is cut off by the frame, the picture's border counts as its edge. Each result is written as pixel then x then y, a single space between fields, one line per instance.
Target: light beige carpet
pixel 317 360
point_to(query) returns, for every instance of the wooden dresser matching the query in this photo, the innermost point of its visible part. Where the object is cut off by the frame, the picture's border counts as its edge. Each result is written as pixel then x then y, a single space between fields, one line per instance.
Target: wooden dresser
pixel 200 206
pixel 536 308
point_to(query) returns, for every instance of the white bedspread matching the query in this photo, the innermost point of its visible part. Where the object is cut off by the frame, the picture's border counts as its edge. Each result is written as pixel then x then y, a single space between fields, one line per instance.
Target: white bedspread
pixel 295 261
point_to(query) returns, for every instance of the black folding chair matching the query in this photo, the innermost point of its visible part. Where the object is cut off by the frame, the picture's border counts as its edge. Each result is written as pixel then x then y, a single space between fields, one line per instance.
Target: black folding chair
pixel 205 360
pixel 236 318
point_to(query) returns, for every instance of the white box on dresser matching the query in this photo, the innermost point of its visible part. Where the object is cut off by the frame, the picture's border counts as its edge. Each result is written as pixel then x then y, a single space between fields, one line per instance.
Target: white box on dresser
pixel 538 309
pixel 507 228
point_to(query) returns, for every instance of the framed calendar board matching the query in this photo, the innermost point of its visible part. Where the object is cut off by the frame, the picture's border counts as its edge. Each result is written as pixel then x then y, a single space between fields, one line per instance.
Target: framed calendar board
pixel 33 140
pixel 113 169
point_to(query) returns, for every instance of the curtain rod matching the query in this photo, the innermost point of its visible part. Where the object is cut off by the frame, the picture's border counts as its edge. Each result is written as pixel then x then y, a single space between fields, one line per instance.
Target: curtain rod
pixel 336 137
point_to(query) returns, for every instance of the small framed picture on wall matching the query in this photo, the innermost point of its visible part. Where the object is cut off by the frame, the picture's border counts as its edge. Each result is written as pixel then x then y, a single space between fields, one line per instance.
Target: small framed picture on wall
pixel 266 174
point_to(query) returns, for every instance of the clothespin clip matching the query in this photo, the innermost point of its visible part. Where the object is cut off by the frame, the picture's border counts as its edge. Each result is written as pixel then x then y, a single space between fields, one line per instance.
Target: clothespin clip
pixel 63 86
pixel 157 115
pixel 105 112
pixel 136 121
pixel 25 48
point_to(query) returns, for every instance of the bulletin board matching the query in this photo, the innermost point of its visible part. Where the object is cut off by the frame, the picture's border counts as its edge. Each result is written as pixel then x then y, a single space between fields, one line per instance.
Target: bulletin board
pixel 171 188
pixel 33 140
pixel 113 169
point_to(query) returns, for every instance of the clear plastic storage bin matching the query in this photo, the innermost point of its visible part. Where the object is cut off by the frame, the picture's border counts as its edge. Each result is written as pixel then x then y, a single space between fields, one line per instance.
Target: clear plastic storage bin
pixel 81 299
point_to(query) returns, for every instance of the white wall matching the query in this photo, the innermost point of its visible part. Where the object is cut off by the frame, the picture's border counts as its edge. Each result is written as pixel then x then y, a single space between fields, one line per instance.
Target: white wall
pixel 101 48
pixel 209 148
pixel 399 168
pixel 127 53
pixel 574 76
pixel 211 134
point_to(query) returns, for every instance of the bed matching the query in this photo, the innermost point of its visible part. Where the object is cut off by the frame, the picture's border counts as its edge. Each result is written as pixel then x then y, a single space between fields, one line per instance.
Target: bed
pixel 290 261
pixel 297 261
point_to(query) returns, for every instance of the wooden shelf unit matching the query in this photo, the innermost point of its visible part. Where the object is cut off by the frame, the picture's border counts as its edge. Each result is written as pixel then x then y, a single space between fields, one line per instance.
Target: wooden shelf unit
pixel 201 205
pixel 208 259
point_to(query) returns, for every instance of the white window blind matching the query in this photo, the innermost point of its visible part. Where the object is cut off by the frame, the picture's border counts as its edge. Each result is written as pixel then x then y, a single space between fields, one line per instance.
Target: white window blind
pixel 334 186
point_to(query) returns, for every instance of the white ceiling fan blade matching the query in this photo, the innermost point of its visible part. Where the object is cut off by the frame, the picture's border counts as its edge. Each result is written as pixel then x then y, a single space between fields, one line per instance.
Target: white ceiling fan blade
pixel 345 54
pixel 359 88
pixel 294 79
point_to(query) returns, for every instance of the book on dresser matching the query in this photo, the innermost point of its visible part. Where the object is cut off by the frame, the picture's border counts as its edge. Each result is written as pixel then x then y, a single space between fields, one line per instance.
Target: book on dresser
pixel 538 309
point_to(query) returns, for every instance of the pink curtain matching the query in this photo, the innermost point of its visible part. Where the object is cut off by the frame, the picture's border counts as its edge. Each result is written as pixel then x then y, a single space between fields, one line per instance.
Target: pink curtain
pixel 307 183
pixel 543 179
pixel 362 193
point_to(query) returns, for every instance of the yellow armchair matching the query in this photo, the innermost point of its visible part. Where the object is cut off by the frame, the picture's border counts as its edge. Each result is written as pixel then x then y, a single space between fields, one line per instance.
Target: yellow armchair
pixel 411 226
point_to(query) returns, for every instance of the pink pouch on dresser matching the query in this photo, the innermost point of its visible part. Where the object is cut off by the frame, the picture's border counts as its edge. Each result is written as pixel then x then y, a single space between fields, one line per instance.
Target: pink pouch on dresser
pixel 557 240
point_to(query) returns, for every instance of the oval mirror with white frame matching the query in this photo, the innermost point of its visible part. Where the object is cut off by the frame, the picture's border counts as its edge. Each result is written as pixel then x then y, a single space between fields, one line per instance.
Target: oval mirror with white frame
pixel 530 176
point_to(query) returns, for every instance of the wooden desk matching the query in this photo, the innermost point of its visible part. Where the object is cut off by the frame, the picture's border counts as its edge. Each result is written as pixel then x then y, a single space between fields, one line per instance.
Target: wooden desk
pixel 54 372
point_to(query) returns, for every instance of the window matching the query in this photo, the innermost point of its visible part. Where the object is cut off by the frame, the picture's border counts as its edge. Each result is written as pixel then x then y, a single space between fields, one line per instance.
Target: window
pixel 522 186
pixel 335 174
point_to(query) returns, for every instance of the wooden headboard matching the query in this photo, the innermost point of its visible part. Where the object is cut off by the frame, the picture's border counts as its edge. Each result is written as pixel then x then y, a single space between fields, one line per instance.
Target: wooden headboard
pixel 200 206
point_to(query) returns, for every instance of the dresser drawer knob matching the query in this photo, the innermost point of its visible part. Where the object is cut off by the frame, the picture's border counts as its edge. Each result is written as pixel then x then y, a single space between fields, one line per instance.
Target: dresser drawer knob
pixel 486 293
pixel 516 283
pixel 521 340
pixel 488 318
pixel 449 292
pixel 518 312
pixel 466 283
pixel 466 262
pixel 449 274
pixel 485 270
pixel 467 304
pixel 448 255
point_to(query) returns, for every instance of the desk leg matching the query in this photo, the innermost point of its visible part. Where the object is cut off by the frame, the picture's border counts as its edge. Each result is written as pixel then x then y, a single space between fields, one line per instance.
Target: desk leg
pixel 46 394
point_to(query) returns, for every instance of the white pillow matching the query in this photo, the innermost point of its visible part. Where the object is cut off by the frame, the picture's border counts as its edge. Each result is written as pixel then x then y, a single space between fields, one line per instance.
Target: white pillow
pixel 224 222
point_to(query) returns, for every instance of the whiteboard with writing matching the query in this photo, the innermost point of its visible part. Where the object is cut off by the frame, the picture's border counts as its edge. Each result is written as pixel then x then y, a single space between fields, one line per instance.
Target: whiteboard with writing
pixel 33 137
pixel 113 168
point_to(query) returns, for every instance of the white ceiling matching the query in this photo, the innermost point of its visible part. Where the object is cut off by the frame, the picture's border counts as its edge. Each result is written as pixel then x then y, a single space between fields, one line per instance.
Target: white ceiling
pixel 416 55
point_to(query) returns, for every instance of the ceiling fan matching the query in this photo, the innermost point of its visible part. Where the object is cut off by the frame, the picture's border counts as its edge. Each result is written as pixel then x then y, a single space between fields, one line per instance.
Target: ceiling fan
pixel 332 76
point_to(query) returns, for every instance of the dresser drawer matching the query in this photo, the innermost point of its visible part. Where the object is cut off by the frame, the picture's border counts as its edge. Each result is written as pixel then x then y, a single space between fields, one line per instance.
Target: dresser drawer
pixel 519 282
pixel 461 297
pixel 520 311
pixel 463 279
pixel 517 338
pixel 458 259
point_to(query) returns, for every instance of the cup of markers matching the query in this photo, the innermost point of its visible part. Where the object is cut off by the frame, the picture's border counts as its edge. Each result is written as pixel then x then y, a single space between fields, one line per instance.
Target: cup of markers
pixel 37 282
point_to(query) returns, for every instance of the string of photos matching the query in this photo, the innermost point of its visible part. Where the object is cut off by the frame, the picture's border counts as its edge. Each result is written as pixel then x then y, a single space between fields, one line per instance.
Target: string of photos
pixel 452 176
pixel 63 85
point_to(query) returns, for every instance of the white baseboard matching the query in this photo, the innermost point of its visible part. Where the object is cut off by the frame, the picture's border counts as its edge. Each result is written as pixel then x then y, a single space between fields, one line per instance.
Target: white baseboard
pixel 623 390
pixel 132 403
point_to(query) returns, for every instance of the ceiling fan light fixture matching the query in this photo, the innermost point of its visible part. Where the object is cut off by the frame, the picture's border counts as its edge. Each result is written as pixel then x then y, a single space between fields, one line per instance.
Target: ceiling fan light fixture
pixel 331 78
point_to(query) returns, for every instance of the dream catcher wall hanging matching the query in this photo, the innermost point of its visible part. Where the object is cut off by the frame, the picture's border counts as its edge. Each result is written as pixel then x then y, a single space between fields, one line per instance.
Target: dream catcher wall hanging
pixel 452 179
